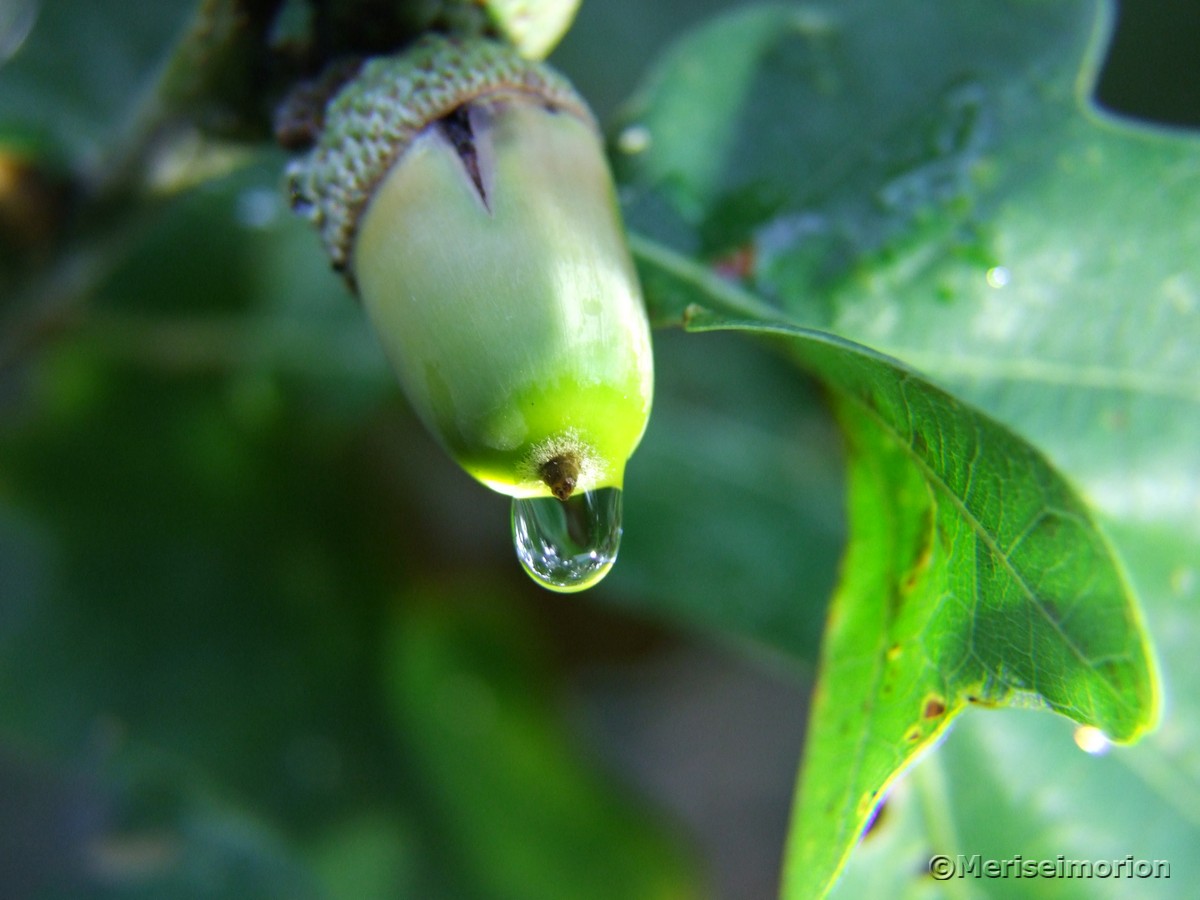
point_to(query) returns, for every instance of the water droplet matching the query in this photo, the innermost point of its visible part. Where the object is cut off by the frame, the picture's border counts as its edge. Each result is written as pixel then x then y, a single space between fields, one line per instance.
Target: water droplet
pixel 634 139
pixel 1092 740
pixel 257 208
pixel 568 546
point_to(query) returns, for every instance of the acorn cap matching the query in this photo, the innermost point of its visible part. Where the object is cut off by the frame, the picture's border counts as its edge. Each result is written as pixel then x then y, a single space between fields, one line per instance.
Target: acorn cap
pixel 372 121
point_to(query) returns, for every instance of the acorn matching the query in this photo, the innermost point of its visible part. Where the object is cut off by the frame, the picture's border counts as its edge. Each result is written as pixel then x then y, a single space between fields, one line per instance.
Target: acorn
pixel 463 192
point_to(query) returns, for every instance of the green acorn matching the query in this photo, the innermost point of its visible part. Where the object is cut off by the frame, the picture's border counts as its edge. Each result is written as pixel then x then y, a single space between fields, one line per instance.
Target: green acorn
pixel 464 193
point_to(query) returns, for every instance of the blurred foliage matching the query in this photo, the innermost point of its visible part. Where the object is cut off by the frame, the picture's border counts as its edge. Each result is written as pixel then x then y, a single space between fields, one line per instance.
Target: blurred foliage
pixel 258 638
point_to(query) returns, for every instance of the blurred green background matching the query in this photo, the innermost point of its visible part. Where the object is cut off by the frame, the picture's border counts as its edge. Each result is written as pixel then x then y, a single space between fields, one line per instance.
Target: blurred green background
pixel 260 638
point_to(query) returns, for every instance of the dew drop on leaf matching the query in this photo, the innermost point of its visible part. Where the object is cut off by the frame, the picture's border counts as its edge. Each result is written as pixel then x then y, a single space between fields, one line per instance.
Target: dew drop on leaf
pixel 1092 740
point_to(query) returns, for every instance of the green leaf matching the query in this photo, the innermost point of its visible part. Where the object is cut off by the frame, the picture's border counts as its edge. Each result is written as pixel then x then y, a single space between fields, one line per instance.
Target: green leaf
pixel 973 218
pixel 1014 783
pixel 920 177
pixel 974 574
pixel 963 535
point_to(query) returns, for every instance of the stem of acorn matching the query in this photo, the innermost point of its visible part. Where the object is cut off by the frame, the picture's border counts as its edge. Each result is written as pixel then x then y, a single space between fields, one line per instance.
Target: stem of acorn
pixel 561 474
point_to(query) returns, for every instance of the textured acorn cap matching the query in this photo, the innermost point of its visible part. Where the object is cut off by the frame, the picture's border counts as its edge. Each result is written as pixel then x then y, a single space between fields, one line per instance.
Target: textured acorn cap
pixel 376 116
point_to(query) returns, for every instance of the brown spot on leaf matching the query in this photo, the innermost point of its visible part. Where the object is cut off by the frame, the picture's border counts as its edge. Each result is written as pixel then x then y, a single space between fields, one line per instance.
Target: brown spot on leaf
pixel 912 579
pixel 934 707
pixel 877 818
pixel 924 555
pixel 737 264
